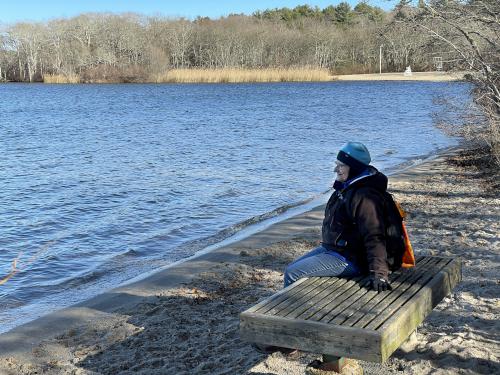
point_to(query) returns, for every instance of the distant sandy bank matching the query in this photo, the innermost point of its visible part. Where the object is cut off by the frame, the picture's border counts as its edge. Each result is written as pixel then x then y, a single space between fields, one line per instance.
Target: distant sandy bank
pixel 415 76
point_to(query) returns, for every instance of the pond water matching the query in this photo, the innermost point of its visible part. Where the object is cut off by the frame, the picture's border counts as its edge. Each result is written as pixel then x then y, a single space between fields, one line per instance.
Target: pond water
pixel 102 183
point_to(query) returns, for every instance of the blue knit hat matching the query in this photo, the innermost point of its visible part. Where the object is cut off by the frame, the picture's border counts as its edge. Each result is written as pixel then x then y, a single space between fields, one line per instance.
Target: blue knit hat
pixel 355 155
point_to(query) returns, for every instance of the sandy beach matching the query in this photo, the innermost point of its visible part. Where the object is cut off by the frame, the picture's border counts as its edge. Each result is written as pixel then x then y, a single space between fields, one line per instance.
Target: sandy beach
pixel 184 320
pixel 415 76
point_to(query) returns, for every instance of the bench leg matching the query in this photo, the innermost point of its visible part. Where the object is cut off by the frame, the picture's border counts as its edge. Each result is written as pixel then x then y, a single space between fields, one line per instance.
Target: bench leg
pixel 334 365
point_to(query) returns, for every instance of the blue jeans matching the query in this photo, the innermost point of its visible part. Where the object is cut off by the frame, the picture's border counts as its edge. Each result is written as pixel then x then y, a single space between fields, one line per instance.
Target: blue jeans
pixel 319 262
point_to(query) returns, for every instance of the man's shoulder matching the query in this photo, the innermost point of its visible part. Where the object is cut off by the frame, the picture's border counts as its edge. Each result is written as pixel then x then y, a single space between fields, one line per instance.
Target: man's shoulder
pixel 366 192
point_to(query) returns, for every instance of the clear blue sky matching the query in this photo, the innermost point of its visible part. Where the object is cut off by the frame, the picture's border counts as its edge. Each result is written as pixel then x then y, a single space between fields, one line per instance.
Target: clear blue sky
pixel 12 11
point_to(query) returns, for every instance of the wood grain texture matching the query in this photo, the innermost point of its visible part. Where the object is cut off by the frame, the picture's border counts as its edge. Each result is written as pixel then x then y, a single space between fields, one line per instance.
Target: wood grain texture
pixel 317 312
pixel 310 336
pixel 403 322
pixel 397 300
pixel 280 296
pixel 388 297
pixel 313 299
pixel 374 298
pixel 360 299
pixel 299 297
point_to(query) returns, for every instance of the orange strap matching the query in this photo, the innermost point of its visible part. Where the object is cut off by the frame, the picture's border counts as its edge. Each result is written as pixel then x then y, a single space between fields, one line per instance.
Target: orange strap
pixel 408 256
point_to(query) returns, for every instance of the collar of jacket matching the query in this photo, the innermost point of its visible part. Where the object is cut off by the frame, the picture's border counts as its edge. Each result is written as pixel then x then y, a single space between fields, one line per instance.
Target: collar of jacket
pixel 340 186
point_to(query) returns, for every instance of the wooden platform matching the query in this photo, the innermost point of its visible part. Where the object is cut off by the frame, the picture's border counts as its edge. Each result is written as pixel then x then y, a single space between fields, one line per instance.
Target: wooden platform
pixel 340 317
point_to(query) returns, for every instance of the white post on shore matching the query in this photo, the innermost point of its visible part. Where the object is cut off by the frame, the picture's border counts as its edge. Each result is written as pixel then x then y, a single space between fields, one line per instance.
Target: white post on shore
pixel 380 59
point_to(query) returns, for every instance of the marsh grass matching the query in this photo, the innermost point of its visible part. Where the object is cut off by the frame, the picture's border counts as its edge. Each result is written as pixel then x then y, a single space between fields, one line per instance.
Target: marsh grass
pixel 243 75
pixel 61 78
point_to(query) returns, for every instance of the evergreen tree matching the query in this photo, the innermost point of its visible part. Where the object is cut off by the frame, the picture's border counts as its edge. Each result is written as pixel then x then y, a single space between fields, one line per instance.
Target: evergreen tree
pixel 343 13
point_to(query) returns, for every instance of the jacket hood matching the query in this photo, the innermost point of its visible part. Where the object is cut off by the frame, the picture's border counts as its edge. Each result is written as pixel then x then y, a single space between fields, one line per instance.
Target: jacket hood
pixel 369 177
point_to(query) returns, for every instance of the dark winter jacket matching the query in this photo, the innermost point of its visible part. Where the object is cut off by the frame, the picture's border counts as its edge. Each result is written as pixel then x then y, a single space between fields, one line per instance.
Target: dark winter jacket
pixel 354 222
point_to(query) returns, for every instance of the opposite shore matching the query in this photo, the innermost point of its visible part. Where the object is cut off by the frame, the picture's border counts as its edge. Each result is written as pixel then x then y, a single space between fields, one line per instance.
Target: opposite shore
pixel 184 319
pixel 415 76
pixel 228 75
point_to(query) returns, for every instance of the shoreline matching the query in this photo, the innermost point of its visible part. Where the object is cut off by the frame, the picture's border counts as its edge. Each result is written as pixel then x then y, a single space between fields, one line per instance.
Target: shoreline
pixel 258 224
pixel 415 76
pixel 300 208
pixel 234 277
pixel 238 76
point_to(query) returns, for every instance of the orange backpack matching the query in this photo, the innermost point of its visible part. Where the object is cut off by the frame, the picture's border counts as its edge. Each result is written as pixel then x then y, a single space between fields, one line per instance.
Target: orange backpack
pixel 408 258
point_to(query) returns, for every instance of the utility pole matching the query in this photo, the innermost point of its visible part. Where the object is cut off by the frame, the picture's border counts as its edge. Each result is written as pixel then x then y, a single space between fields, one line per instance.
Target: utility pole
pixel 380 59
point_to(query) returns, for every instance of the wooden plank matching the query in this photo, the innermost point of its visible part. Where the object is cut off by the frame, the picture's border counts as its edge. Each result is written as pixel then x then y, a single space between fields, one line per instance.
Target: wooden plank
pixel 323 290
pixel 285 293
pixel 343 305
pixel 311 336
pixel 316 281
pixel 347 308
pixel 275 296
pixel 360 318
pixel 316 307
pixel 333 296
pixel 361 298
pixel 318 301
pixel 396 329
pixel 303 297
pixel 388 297
pixel 339 298
pixel 375 298
pixel 407 295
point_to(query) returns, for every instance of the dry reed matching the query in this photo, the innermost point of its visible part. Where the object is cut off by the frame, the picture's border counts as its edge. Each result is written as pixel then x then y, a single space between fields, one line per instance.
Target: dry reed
pixel 61 78
pixel 228 75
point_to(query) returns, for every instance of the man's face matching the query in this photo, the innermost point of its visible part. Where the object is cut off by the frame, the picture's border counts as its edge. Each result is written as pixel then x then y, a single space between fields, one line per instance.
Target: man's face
pixel 342 171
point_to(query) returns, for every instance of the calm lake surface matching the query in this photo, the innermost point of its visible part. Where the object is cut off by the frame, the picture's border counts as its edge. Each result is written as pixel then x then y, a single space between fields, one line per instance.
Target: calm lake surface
pixel 101 183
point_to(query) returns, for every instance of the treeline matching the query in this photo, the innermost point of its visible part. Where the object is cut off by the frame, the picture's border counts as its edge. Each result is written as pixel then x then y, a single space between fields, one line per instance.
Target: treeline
pixel 134 48
pixel 340 14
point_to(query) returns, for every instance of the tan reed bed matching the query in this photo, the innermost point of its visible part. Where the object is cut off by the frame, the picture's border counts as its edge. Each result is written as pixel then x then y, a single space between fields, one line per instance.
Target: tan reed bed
pixel 243 75
pixel 61 78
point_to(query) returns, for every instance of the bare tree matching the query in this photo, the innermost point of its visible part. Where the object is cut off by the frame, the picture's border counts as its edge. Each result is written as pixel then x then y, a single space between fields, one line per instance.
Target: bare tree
pixel 472 31
pixel 28 39
pixel 127 47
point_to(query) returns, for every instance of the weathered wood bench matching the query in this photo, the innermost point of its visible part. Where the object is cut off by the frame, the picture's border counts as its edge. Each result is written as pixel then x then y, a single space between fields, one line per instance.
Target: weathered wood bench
pixel 340 317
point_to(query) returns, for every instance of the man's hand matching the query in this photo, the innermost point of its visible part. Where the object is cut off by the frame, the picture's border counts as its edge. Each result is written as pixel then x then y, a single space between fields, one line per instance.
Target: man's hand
pixel 378 283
